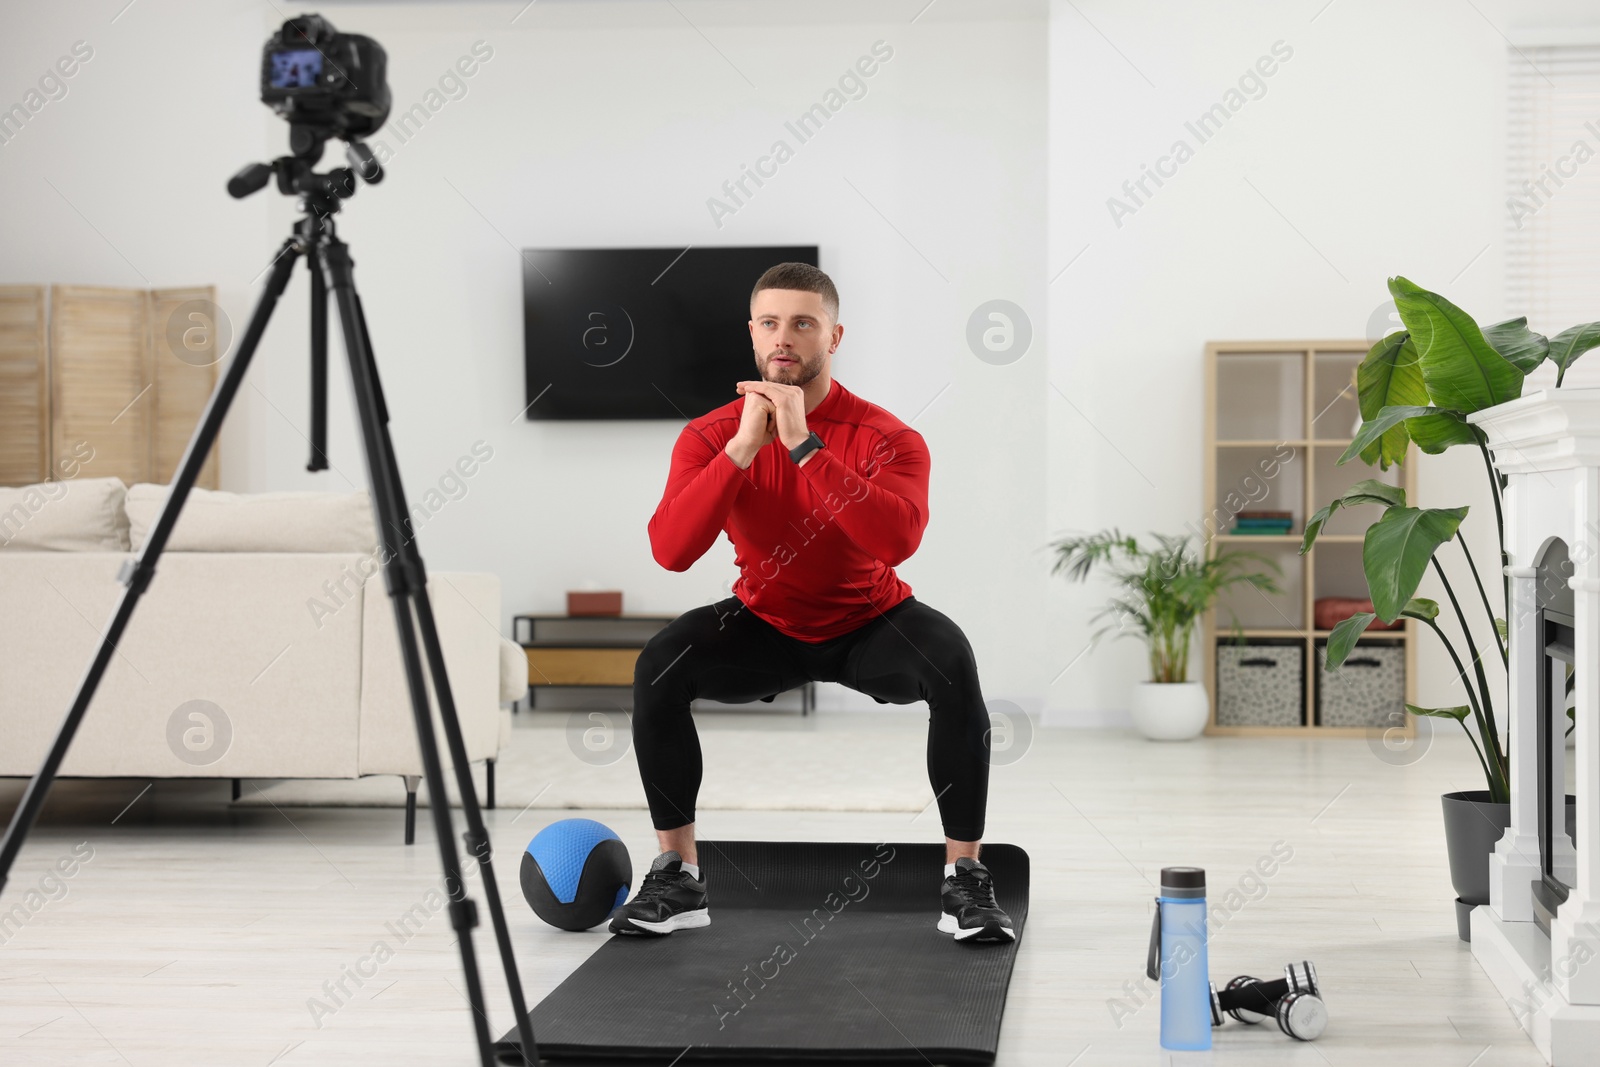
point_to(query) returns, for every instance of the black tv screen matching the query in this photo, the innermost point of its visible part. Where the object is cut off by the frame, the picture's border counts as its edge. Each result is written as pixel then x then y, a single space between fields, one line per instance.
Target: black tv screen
pixel 640 333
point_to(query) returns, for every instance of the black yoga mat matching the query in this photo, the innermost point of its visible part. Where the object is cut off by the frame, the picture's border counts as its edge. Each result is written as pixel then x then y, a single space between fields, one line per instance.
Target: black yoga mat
pixel 816 951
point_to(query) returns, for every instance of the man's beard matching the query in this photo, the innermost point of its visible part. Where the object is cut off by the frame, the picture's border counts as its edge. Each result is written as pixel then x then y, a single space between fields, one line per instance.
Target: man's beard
pixel 796 373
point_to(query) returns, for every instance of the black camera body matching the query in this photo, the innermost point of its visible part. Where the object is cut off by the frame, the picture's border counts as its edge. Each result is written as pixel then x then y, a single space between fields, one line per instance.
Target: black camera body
pixel 330 82
pixel 327 85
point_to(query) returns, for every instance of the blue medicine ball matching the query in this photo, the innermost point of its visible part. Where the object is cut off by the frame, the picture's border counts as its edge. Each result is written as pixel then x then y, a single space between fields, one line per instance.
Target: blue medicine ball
pixel 575 873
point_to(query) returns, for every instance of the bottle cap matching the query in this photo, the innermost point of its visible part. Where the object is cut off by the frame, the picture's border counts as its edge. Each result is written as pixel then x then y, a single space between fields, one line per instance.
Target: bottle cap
pixel 1183 881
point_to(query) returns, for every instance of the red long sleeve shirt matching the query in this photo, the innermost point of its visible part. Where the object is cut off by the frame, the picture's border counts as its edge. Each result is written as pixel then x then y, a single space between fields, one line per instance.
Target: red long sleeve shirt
pixel 816 545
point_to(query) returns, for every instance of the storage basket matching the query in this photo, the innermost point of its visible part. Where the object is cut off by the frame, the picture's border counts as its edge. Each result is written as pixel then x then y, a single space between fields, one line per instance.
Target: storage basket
pixel 1261 683
pixel 1367 689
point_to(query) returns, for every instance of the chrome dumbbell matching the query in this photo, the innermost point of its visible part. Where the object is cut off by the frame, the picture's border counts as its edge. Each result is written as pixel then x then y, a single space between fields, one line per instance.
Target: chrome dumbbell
pixel 1295 1001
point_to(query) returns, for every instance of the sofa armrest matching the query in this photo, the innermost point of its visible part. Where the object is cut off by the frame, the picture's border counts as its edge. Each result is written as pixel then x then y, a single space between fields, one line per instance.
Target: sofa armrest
pixel 513 671
pixel 466 609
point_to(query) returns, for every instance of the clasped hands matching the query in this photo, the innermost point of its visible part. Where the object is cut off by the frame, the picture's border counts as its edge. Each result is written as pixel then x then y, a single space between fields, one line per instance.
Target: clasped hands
pixel 786 409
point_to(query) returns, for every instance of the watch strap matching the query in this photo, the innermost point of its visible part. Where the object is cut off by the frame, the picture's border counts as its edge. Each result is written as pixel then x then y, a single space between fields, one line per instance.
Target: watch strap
pixel 806 447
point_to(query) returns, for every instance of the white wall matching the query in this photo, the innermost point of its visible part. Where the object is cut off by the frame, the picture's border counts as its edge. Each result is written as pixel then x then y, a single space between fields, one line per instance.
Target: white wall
pixel 592 124
pixel 977 166
pixel 1375 149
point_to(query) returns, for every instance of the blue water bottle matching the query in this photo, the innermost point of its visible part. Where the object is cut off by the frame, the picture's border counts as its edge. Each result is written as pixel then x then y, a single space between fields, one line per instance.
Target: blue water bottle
pixel 1178 959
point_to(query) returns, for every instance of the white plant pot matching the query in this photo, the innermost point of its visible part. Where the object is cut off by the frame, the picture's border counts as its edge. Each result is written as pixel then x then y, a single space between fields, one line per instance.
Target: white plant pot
pixel 1170 711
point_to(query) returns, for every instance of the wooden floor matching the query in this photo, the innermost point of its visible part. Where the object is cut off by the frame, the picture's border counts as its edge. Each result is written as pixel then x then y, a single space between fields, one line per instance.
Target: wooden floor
pixel 194 933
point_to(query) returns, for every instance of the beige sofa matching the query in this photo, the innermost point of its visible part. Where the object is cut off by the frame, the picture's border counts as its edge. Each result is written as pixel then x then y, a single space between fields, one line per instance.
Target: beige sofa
pixel 264 647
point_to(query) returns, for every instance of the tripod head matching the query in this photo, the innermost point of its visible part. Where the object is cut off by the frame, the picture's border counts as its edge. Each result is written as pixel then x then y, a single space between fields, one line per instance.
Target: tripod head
pixel 327 84
pixel 320 192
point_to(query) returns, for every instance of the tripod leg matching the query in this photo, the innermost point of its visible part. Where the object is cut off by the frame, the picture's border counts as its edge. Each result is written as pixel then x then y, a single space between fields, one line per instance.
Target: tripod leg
pixel 477 835
pixel 319 367
pixel 401 579
pixel 137 573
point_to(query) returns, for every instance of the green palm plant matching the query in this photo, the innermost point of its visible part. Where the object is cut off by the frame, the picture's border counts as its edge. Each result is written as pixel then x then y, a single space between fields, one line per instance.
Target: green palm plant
pixel 1420 384
pixel 1164 590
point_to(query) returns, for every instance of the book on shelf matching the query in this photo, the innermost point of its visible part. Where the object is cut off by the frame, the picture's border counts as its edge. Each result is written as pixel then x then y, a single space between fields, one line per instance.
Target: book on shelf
pixel 1262 526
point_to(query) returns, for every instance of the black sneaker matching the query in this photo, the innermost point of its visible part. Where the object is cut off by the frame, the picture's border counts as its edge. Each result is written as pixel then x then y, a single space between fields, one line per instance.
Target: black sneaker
pixel 970 912
pixel 669 900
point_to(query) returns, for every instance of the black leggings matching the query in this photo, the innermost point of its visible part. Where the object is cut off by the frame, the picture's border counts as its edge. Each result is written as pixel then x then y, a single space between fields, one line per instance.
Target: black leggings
pixel 725 652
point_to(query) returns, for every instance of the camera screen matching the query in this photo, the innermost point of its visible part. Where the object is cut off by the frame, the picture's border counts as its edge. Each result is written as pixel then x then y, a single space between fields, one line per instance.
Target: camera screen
pixel 297 69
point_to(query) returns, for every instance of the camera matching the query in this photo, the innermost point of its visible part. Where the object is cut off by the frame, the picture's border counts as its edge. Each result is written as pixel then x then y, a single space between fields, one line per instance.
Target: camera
pixel 325 84
pixel 332 84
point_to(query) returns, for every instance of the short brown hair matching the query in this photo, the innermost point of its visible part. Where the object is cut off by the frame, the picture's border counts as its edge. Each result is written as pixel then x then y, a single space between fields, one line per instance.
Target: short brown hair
pixel 802 276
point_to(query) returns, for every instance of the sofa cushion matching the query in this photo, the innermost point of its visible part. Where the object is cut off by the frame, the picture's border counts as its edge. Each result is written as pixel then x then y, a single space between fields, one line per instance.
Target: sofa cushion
pixel 214 520
pixel 80 515
pixel 466 610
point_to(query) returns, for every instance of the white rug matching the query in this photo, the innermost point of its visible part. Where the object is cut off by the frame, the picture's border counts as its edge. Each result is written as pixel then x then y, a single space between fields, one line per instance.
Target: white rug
pixel 839 768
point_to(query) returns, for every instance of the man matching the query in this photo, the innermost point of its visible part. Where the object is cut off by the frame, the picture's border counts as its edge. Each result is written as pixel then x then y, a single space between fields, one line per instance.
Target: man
pixel 822 494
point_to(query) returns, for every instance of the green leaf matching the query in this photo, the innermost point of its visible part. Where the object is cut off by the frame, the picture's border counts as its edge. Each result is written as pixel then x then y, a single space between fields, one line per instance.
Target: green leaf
pixel 1389 377
pixel 1397 549
pixel 1462 371
pixel 1569 344
pixel 1373 491
pixel 1385 420
pixel 1500 625
pixel 1366 491
pixel 1314 524
pixel 1420 608
pixel 1459 714
pixel 1343 637
pixel 1435 433
pixel 1523 348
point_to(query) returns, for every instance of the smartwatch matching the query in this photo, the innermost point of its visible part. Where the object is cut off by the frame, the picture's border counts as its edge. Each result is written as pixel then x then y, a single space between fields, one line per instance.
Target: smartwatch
pixel 806 447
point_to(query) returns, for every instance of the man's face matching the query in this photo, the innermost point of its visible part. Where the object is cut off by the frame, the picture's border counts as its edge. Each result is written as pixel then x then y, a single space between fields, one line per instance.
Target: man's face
pixel 792 336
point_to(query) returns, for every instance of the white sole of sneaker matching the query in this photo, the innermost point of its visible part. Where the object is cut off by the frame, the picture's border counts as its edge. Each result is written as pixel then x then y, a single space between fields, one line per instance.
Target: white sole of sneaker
pixel 986 932
pixel 686 920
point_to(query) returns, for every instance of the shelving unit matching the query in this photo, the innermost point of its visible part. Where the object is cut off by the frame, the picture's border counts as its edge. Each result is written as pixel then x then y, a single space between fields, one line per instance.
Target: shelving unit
pixel 1278 416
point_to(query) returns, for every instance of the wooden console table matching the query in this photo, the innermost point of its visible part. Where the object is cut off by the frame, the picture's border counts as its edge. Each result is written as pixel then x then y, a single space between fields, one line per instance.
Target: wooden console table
pixel 595 650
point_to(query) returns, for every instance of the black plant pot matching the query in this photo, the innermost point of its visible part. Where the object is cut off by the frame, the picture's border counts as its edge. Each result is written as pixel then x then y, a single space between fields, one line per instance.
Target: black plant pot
pixel 1473 824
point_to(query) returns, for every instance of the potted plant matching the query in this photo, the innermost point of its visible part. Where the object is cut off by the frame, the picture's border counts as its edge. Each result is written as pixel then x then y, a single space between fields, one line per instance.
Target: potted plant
pixel 1419 384
pixel 1165 589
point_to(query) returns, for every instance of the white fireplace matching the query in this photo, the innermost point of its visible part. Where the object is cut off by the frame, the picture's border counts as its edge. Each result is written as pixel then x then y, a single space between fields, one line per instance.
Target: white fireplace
pixel 1543 952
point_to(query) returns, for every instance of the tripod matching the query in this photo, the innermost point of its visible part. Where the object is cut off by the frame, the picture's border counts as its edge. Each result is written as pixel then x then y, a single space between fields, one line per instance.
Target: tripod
pixel 404 576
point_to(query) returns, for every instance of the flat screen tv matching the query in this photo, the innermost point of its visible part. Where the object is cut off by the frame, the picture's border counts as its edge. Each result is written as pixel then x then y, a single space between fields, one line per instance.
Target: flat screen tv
pixel 640 333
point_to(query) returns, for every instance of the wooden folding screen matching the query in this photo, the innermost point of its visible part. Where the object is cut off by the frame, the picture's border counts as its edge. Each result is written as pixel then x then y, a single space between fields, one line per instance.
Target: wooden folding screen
pixel 24 399
pixel 104 391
